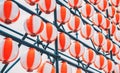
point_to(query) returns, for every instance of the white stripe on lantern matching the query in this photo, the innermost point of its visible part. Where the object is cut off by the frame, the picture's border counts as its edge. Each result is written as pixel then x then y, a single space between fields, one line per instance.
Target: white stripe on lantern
pixel 14 11
pixel 1 49
pixel 37 62
pixel 2 11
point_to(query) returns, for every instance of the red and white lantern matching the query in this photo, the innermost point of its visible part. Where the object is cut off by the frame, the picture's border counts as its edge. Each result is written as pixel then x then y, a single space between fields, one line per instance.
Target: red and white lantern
pixel 46 67
pixel 31 2
pixel 47 6
pixel 63 42
pixel 116 18
pixel 64 67
pixel 109 67
pixel 49 33
pixel 75 23
pixel 76 49
pixel 9 12
pixel 94 1
pixel 117 35
pixel 113 29
pixel 106 24
pixel 87 31
pixel 111 11
pixel 98 19
pixel 75 3
pixel 63 15
pixel 34 25
pixel 89 56
pixel 99 39
pixel 103 5
pixel 117 68
pixel 107 47
pixel 87 11
pixel 8 50
pixel 100 62
pixel 115 2
pixel 115 49
pixel 31 60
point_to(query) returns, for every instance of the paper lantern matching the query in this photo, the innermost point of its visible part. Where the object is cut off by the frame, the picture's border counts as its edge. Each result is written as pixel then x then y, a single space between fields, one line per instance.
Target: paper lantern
pixel 64 67
pixel 116 18
pixel 117 35
pixel 64 42
pixel 113 29
pixel 115 49
pixel 75 23
pixel 76 49
pixel 87 11
pixel 31 60
pixel 103 5
pixel 89 56
pixel 9 12
pixel 99 39
pixel 107 47
pixel 63 15
pixel 117 68
pixel 46 67
pixel 75 3
pixel 109 67
pixel 34 25
pixel 32 2
pixel 87 31
pixel 100 62
pixel 49 33
pixel 47 6
pixel 8 50
pixel 106 24
pixel 98 19
pixel 94 1
pixel 79 70
pixel 115 2
pixel 111 11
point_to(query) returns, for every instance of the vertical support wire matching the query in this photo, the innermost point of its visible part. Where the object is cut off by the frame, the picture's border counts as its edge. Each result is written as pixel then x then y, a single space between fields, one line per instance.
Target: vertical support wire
pixel 56 42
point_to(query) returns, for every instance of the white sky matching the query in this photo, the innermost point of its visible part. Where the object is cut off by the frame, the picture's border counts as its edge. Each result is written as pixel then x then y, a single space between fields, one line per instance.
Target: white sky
pixel 18 26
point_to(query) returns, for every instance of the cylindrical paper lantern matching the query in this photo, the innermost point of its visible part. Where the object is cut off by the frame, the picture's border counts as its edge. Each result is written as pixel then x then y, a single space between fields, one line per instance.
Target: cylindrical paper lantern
pixel 76 49
pixel 49 33
pixel 107 47
pixel 99 39
pixel 31 60
pixel 47 6
pixel 9 12
pixel 87 11
pixel 34 25
pixel 100 62
pixel 87 31
pixel 63 42
pixel 89 56
pixel 8 50
pixel 63 15
pixel 109 67
pixel 75 23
